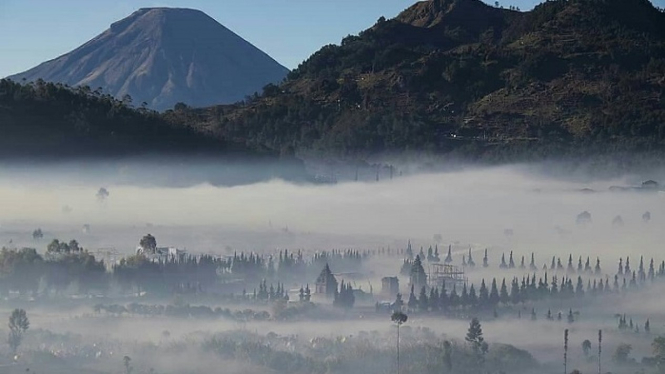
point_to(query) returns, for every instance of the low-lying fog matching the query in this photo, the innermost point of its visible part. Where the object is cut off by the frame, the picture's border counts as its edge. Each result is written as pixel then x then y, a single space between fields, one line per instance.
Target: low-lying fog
pixel 516 208
pixel 474 206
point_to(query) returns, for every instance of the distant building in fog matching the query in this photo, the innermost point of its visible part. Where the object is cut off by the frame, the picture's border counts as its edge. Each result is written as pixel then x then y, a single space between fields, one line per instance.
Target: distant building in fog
pixel 326 283
pixel 390 287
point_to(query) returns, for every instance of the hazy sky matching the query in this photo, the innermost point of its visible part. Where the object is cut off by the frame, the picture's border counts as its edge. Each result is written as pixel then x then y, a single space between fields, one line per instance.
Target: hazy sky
pixel 34 31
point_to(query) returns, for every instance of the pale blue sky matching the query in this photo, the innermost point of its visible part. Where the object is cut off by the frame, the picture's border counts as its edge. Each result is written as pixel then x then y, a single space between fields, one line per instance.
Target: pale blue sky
pixel 34 31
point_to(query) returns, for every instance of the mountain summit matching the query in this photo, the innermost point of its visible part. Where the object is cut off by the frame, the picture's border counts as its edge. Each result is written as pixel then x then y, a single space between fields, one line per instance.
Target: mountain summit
pixel 162 56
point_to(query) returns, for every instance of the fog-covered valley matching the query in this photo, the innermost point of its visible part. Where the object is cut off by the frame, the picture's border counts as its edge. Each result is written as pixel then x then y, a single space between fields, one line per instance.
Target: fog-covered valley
pixel 231 297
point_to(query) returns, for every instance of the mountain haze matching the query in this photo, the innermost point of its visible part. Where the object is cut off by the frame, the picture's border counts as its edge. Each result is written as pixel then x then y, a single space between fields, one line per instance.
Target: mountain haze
pixel 162 56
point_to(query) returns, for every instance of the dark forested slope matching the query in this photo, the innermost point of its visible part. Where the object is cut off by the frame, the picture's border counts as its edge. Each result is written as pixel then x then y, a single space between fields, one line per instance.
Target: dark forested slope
pixel 460 75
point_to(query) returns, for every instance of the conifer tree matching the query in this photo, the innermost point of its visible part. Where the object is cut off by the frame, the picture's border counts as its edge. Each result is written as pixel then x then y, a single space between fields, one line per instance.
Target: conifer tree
pixel 470 262
pixel 532 265
pixel 626 269
pixel 579 265
pixel 504 297
pixel 413 302
pixel 511 262
pixel 553 265
pixel 641 272
pixel 597 270
pixel 647 326
pixel 587 265
pixel 473 298
pixel 483 295
pixel 514 292
pixel 651 270
pixel 464 297
pixel 522 265
pixel 449 257
pixel 579 289
pixel 570 268
pixel 503 261
pixel 485 259
pixel 620 270
pixel 494 294
pixel 423 300
pixel 453 300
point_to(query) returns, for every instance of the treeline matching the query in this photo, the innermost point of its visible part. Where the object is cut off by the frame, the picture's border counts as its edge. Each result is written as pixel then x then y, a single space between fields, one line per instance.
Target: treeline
pixel 52 119
pixel 469 298
pixel 182 311
pixel 291 266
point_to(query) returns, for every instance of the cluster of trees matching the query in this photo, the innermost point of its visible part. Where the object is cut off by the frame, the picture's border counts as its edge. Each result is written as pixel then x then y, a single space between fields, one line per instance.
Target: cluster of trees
pixel 516 292
pixel 290 266
pixel 421 351
pixel 189 274
pixel 182 311
pixel 344 298
pixel 27 272
pixel 270 294
pixel 43 118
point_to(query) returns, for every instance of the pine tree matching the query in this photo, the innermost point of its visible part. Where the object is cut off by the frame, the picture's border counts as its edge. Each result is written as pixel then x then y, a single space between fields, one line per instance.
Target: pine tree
pixel 570 268
pixel 511 262
pixel 485 259
pixel 503 294
pixel 647 326
pixel 651 270
pixel 483 295
pixel 532 265
pixel 453 300
pixel 449 257
pixel 423 300
pixel 503 261
pixel 470 262
pixel 474 337
pixel 494 294
pixel 554 289
pixel 587 265
pixel 553 265
pixel 579 265
pixel 473 298
pixel 413 302
pixel 626 269
pixel 597 270
pixel 620 271
pixel 579 289
pixel 522 266
pixel 433 299
pixel 514 292
pixel 641 272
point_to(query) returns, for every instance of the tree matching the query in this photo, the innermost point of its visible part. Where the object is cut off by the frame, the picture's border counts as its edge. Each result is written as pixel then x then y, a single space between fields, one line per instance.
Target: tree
pixel 148 243
pixel 658 348
pixel 398 319
pixel 38 234
pixel 102 194
pixel 474 337
pixel 621 354
pixel 127 362
pixel 586 347
pixel 18 325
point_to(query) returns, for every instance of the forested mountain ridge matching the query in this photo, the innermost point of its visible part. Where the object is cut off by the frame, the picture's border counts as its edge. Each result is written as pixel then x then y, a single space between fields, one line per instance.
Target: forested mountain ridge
pixel 459 75
pixel 51 120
